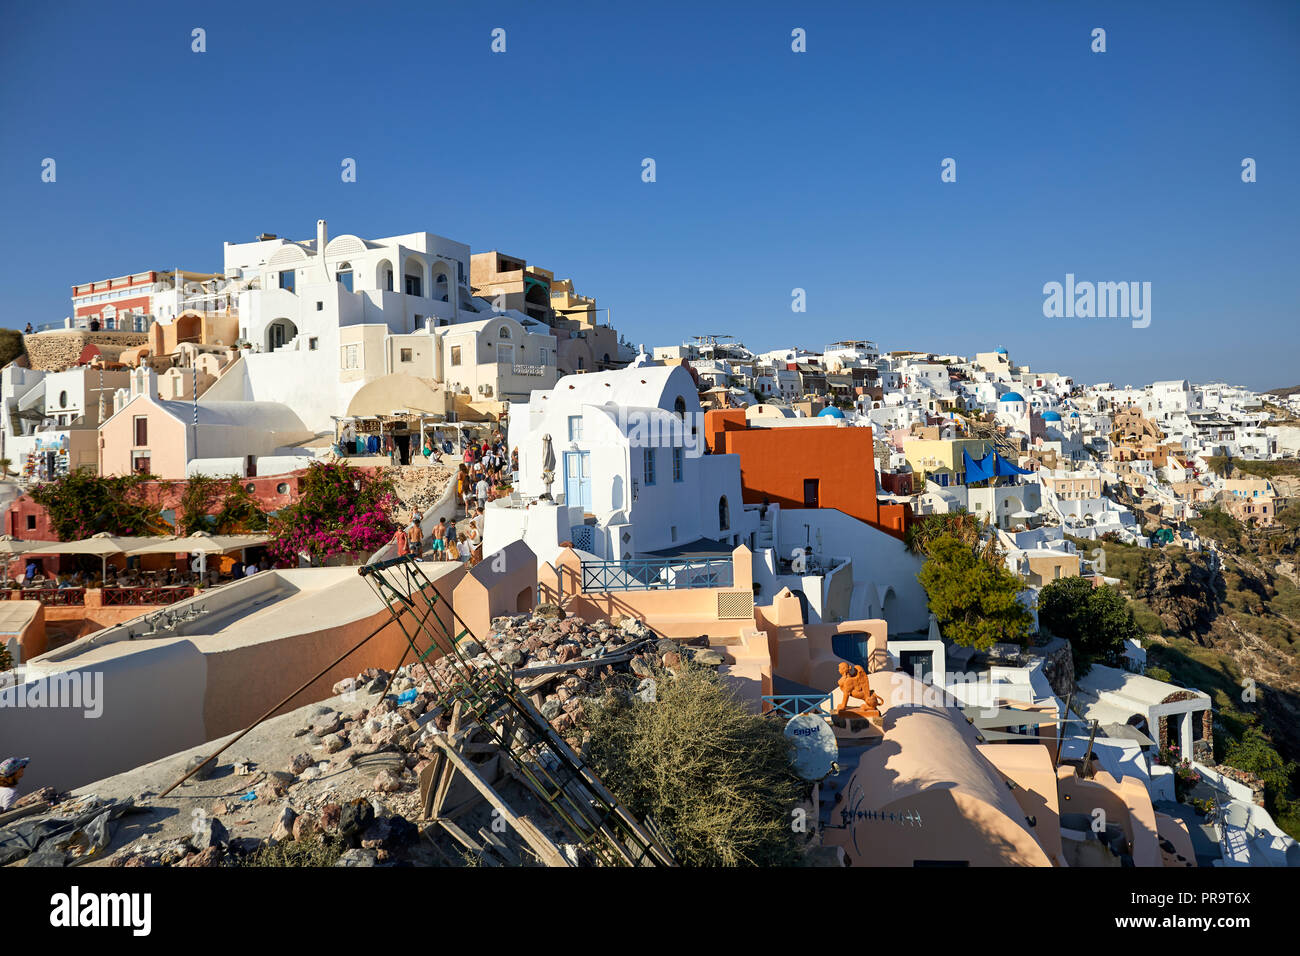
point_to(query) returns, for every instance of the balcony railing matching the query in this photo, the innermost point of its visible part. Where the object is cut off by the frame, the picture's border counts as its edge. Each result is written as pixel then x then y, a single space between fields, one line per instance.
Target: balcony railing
pixel 131 597
pixel 528 369
pixel 56 597
pixel 655 575
pixel 792 705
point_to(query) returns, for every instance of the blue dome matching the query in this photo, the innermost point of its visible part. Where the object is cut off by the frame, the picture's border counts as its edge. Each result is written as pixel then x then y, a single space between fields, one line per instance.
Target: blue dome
pixel 830 411
pixel 1002 352
pixel 1012 397
pixel 1074 414
pixel 1051 416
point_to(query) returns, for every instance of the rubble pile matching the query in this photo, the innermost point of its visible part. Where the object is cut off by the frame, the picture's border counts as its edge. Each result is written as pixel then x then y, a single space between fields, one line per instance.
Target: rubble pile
pixel 352 776
pixel 418 488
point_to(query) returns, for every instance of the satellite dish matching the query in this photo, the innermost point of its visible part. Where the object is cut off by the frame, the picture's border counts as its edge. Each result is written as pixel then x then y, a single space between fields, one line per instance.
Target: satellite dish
pixel 815 748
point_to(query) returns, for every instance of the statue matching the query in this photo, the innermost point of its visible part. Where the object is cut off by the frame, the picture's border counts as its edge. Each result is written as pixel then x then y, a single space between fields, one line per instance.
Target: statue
pixel 855 684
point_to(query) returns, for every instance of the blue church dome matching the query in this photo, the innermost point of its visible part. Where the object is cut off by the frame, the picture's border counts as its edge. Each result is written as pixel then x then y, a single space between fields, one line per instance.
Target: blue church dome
pixel 1051 416
pixel 1012 397
pixel 830 411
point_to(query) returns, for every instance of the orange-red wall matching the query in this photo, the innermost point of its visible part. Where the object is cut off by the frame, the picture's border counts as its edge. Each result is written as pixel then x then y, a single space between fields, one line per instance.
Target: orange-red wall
pixel 775 461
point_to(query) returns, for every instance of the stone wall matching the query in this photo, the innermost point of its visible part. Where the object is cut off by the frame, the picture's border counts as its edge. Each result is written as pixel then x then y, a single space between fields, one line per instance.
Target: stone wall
pixel 57 351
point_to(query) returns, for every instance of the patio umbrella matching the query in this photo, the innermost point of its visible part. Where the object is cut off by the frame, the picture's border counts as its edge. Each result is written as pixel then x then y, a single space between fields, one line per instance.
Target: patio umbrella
pixel 202 543
pixel 548 464
pixel 11 545
pixel 102 544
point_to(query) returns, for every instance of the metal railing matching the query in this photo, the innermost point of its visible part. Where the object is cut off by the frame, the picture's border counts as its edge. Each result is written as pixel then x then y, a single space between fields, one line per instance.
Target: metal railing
pixel 653 575
pixel 528 369
pixel 792 705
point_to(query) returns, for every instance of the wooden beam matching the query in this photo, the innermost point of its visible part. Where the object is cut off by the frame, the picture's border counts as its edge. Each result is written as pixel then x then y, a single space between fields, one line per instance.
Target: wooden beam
pixel 546 851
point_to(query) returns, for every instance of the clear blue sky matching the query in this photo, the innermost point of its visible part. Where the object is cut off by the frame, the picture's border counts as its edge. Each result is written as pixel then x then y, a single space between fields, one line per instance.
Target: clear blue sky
pixel 775 170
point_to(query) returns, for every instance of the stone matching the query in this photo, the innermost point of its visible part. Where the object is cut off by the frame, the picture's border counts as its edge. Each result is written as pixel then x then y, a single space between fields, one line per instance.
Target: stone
pixel 512 657
pixel 672 659
pixel 354 817
pixel 387 782
pixel 708 657
pixel 549 612
pixel 334 743
pixel 299 762
pixel 647 691
pixel 666 646
pixel 641 667
pixel 283 828
pixel 244 767
pixel 358 857
pixel 330 816
pixel 347 685
pixel 207 766
pixel 305 826
pixel 551 708
pixel 469 648
pixel 208 857
pixel 207 832
pixel 271 790
pixel 567 652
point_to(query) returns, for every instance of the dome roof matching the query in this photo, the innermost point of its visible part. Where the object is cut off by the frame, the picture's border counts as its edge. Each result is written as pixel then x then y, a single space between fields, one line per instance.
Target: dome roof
pixel 830 411
pixel 1001 352
pixel 1074 414
pixel 1051 416
pixel 1012 397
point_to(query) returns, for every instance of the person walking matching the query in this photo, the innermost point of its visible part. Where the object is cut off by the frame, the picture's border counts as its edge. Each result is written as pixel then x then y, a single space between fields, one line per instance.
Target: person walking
pixel 11 771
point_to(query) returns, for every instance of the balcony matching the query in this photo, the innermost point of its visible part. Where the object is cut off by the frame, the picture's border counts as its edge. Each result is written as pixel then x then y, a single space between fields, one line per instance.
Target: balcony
pixel 528 369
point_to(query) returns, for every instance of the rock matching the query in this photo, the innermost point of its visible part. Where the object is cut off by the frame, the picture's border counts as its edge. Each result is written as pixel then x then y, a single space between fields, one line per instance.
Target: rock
pixel 304 826
pixel 207 832
pixel 358 857
pixel 567 652
pixel 283 828
pixel 551 708
pixel 206 764
pixel 244 767
pixel 271 790
pixel 512 657
pixel 549 612
pixel 346 686
pixel 469 648
pixel 634 628
pixel 387 782
pixel 672 659
pixel 666 646
pixel 354 818
pixel 376 836
pixel 647 690
pixel 299 762
pixel 334 743
pixel 641 667
pixel 708 657
pixel 330 815
pixel 209 857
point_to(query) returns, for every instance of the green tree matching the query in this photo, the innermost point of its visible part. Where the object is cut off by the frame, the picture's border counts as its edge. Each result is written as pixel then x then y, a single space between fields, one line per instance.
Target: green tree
pixel 1255 753
pixel 975 601
pixel 82 503
pixel 218 505
pixel 11 345
pixel 1095 620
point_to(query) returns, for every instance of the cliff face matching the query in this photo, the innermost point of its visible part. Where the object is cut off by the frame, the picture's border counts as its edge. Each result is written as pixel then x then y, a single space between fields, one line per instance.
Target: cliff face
pixel 1186 596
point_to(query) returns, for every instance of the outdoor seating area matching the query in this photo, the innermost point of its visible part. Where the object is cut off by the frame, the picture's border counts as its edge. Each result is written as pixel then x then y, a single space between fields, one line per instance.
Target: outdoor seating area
pixel 122 579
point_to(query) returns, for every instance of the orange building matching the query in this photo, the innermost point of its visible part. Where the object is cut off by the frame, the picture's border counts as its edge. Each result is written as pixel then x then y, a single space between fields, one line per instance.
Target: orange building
pixel 805 466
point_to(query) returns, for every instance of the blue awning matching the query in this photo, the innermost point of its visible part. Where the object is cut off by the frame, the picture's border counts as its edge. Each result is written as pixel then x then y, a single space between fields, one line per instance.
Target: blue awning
pixel 990 466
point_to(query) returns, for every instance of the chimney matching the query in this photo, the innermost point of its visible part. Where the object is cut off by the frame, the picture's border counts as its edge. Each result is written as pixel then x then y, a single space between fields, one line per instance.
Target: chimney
pixel 322 236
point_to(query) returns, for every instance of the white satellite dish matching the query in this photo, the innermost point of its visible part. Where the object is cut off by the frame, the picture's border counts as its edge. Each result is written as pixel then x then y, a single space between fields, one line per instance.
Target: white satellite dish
pixel 815 748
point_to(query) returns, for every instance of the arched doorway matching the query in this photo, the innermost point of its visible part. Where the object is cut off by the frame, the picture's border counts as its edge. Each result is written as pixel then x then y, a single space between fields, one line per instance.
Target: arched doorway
pixel 279 333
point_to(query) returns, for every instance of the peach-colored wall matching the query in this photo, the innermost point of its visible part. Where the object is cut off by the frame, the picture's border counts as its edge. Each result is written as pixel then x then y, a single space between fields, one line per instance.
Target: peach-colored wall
pixel 166 445
pixel 495 587
pixel 1125 803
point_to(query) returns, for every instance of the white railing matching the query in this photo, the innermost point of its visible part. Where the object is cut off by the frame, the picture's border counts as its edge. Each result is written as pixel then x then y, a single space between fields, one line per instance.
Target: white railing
pixel 529 369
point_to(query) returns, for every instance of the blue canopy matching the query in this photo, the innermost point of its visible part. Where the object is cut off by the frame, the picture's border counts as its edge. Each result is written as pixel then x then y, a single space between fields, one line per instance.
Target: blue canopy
pixel 990 466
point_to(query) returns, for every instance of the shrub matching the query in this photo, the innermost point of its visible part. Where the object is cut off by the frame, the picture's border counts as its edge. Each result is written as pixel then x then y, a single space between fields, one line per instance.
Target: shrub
pixel 715 777
pixel 81 504
pixel 976 601
pixel 340 510
pixel 309 852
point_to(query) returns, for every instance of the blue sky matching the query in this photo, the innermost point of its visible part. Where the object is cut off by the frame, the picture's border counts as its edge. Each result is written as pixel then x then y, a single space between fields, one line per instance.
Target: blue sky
pixel 775 170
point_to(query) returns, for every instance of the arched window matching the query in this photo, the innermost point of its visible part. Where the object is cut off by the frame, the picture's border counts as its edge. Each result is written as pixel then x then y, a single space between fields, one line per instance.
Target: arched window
pixel 503 333
pixel 344 275
pixel 679 407
pixel 724 514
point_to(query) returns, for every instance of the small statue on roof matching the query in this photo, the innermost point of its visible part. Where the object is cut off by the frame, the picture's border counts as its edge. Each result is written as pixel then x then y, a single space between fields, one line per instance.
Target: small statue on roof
pixel 855 684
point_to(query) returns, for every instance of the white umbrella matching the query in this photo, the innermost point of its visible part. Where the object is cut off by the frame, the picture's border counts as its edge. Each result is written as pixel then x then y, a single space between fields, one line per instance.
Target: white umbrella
pixel 548 464
pixel 102 544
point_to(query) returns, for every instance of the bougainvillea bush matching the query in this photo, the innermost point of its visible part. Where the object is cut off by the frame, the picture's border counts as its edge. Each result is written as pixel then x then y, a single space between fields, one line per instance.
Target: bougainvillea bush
pixel 340 510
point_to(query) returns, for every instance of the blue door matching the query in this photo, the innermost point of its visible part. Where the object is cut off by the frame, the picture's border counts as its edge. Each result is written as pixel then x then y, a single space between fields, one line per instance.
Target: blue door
pixel 577 479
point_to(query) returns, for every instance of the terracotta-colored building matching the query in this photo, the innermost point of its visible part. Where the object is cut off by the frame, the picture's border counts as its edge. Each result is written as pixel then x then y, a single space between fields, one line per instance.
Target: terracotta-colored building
pixel 805 466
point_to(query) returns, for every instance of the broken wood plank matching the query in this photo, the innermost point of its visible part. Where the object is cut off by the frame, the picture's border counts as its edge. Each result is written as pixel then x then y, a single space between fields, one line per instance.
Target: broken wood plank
pixel 546 851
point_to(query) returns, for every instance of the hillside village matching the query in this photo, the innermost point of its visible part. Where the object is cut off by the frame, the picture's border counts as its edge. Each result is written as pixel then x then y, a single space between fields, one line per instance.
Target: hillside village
pixel 1010 604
